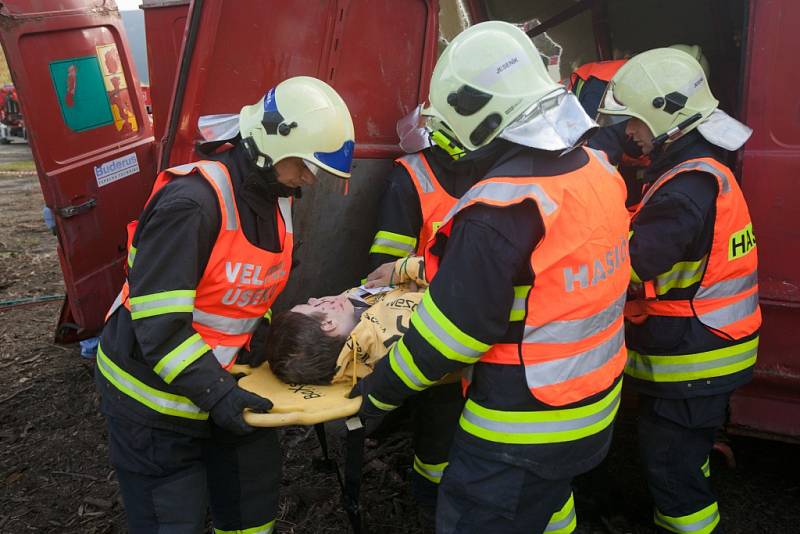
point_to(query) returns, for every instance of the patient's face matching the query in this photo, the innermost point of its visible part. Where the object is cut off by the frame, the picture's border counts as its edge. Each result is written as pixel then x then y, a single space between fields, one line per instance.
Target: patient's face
pixel 340 315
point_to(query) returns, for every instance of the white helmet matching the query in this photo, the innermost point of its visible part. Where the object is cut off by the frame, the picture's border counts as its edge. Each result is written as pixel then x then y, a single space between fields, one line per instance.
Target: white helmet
pixel 487 76
pixel 301 117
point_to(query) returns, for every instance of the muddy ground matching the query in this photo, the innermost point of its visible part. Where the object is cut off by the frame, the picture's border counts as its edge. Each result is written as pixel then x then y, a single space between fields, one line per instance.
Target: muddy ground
pixel 54 474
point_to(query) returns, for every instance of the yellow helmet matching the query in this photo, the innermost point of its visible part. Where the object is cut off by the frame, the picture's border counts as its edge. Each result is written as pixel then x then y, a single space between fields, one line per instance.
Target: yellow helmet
pixel 664 88
pixel 487 76
pixel 300 117
pixel 696 52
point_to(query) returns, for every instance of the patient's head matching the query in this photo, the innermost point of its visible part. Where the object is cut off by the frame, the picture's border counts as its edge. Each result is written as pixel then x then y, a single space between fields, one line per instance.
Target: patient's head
pixel 304 342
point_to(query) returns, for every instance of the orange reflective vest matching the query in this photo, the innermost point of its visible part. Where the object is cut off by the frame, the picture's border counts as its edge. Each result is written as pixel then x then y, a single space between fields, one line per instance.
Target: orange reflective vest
pixel 573 344
pixel 435 202
pixel 240 282
pixel 726 302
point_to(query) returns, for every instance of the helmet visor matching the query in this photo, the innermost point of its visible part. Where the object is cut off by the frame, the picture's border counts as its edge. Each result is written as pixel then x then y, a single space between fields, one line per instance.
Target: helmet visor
pixel 611 111
pixel 339 162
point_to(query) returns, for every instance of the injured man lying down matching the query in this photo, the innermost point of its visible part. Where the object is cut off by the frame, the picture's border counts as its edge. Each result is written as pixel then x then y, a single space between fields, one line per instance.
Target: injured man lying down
pixel 331 339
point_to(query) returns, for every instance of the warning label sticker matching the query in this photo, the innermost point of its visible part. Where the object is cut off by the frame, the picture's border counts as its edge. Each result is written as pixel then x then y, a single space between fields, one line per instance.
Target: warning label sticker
pixel 116 169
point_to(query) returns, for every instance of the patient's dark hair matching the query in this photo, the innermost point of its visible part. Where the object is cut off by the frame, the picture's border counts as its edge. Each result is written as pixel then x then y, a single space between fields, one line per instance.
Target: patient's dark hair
pixel 299 352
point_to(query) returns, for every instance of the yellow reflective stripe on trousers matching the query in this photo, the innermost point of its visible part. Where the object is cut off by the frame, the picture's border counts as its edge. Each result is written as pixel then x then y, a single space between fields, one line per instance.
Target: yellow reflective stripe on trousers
pixel 432 472
pixel 154 399
pixel 519 306
pixel 180 357
pixel 393 244
pixel 537 427
pixel 386 407
pixel 682 275
pixel 268 315
pixel 706 468
pixel 702 522
pixel 180 300
pixel 683 367
pixel 565 520
pixel 443 335
pixel 131 256
pixel 402 363
pixel 267 528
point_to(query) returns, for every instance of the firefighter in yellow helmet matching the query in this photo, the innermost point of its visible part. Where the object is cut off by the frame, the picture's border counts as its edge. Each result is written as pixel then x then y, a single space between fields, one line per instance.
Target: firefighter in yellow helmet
pixel 693 314
pixel 518 297
pixel 209 254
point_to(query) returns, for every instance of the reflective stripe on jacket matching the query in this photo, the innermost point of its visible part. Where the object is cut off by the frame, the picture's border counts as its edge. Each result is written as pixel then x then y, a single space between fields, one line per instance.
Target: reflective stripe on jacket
pixel 238 286
pixel 573 343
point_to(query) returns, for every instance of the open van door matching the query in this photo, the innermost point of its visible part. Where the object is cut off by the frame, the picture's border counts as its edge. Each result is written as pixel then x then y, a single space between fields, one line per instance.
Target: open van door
pixel 90 136
pixel 378 54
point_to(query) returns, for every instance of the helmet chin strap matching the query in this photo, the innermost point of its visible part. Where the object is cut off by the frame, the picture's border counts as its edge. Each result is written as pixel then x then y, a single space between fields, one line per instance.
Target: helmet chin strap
pixel 672 134
pixel 260 160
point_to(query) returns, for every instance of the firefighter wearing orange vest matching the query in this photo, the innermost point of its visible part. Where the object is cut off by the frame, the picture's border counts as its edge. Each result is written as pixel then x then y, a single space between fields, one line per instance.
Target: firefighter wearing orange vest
pixel 421 189
pixel 694 317
pixel 528 275
pixel 209 254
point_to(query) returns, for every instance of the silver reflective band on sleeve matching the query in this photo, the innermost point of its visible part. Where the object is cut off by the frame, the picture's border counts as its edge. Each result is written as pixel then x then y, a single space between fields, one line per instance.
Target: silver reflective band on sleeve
pixel 601 157
pixel 180 357
pixel 689 166
pixel 154 399
pixel 728 288
pixel 217 175
pixel 731 313
pixel 285 206
pixel 504 192
pixel 225 354
pixel 576 329
pixel 227 325
pixel 557 371
pixel 443 337
pixel 386 242
pixel 167 304
pixel 417 164
pixel 682 275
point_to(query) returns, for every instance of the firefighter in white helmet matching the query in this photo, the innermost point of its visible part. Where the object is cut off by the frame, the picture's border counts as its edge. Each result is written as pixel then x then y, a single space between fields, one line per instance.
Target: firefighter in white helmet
pixel 693 317
pixel 207 257
pixel 528 274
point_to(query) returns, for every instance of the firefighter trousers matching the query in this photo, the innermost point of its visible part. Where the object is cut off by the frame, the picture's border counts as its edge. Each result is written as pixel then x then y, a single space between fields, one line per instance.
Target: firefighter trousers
pixel 675 440
pixel 435 419
pixel 478 495
pixel 169 480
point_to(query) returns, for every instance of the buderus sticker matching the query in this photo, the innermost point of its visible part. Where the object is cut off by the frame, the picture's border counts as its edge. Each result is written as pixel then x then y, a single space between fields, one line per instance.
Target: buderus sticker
pixel 116 169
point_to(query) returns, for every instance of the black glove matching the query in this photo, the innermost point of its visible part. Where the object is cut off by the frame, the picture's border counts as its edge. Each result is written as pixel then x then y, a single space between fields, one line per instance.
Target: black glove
pixel 227 412
pixel 371 416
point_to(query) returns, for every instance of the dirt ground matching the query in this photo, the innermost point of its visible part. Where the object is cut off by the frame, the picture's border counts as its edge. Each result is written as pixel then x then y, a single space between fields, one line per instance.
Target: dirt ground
pixel 55 477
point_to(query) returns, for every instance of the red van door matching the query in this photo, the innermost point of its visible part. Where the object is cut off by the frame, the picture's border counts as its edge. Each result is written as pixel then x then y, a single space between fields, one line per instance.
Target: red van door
pixel 378 54
pixel 91 138
pixel 770 405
